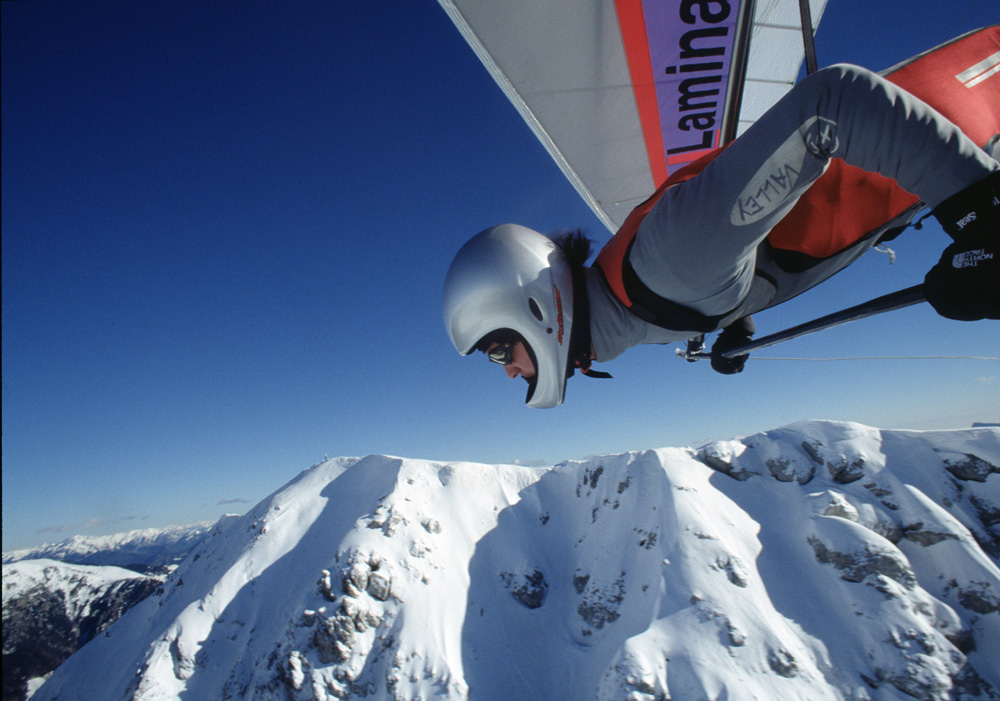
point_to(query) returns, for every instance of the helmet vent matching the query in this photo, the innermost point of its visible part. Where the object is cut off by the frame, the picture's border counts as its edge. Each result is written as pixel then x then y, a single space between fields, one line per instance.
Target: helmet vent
pixel 533 306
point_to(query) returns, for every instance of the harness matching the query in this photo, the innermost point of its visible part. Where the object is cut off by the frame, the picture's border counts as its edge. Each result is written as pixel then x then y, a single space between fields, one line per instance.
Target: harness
pixel 816 229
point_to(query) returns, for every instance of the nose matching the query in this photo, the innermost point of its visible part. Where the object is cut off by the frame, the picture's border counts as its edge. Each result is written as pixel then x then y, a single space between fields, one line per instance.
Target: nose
pixel 512 370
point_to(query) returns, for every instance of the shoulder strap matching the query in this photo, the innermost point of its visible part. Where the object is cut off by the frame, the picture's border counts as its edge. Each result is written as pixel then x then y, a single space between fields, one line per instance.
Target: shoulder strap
pixel 579 335
pixel 659 311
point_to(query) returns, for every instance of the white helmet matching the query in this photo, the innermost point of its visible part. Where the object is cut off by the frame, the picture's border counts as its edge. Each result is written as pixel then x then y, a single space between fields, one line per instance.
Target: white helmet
pixel 510 277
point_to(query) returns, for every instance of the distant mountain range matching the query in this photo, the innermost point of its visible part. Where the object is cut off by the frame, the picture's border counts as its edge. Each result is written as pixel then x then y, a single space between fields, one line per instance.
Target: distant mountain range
pixel 141 550
pixel 817 561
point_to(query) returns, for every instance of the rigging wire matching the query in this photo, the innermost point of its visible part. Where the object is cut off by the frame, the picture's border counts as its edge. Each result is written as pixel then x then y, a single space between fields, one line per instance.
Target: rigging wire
pixel 693 356
pixel 951 34
pixel 885 357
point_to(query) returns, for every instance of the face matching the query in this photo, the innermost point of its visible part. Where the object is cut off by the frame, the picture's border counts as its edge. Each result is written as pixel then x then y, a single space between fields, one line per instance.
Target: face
pixel 520 363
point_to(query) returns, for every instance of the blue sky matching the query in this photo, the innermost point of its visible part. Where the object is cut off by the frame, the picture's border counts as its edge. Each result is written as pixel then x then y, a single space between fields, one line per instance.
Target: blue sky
pixel 225 230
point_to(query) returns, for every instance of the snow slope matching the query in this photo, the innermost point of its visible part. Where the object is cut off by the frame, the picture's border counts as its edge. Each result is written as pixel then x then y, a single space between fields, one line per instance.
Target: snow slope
pixel 817 561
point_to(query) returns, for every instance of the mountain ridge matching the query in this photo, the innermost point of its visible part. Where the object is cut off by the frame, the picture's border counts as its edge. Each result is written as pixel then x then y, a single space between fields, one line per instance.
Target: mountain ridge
pixel 819 560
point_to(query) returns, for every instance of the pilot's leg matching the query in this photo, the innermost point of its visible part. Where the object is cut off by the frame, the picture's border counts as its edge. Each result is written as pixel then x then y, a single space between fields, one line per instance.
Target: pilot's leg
pixel 697 245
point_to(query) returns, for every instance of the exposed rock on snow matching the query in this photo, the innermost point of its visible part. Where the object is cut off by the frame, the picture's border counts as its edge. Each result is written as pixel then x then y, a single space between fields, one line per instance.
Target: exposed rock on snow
pixel 861 564
pixel 817 561
pixel 970 467
pixel 529 588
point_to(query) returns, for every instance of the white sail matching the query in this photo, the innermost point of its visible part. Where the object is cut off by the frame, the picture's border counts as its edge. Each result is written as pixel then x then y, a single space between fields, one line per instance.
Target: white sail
pixel 622 93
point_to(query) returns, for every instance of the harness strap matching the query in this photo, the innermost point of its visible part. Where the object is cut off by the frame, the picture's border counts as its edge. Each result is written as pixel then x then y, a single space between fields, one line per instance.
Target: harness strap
pixel 579 337
pixel 659 311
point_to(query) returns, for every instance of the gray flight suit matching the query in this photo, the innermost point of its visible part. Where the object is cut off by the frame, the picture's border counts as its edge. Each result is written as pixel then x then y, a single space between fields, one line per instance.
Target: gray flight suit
pixel 700 245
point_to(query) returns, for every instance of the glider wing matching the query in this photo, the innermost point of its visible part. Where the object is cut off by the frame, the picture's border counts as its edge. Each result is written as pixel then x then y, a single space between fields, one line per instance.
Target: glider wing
pixel 621 93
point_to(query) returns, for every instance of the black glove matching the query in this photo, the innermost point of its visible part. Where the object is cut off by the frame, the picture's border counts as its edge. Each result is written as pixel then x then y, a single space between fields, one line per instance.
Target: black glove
pixel 694 346
pixel 965 283
pixel 734 335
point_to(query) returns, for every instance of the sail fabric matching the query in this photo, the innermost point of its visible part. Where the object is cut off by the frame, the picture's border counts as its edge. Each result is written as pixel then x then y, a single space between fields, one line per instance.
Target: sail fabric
pixel 623 92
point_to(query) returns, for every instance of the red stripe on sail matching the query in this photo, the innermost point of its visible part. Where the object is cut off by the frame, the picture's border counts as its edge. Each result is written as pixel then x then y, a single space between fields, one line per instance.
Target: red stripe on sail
pixel 640 65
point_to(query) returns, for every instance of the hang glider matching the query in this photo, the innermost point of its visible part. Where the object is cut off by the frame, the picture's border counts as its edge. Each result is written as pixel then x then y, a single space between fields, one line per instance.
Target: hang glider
pixel 624 92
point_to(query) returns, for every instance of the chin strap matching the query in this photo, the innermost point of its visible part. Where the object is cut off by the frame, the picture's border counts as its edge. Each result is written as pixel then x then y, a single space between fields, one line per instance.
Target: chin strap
pixel 597 374
pixel 579 337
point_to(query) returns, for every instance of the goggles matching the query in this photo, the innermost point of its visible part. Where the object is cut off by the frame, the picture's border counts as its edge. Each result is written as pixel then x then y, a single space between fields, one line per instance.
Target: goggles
pixel 502 354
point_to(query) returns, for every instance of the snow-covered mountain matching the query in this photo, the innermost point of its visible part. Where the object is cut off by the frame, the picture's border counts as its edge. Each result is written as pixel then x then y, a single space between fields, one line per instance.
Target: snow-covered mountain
pixel 817 561
pixel 50 609
pixel 145 549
